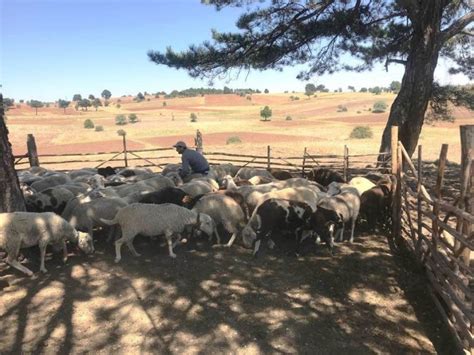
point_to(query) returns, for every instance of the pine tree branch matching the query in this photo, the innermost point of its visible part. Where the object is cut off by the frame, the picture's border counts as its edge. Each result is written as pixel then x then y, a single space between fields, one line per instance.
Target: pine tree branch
pixel 456 27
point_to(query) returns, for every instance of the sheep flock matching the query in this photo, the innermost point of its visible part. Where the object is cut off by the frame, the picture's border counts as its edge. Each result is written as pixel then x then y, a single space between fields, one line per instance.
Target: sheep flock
pixel 249 206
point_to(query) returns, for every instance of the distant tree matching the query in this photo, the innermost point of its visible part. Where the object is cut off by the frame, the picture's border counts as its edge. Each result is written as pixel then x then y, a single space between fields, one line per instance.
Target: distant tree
pixel 309 89
pixel 363 90
pixel 227 90
pixel 91 97
pixel 77 97
pixel 7 103
pixel 36 105
pixel 120 120
pixel 96 103
pixel 395 86
pixel 340 89
pixel 106 102
pixel 258 91
pixel 22 101
pixel 193 117
pixel 266 91
pixel 121 133
pixel 106 94
pixel 266 113
pixel 377 90
pixel 351 88
pixel 84 104
pixel 320 87
pixel 140 97
pixel 88 124
pixel 132 118
pixel 288 118
pixel 164 103
pixel 64 104
pixel 99 128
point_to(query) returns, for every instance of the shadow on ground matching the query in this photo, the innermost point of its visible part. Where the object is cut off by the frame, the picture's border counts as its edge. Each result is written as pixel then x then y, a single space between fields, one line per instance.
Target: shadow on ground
pixel 222 300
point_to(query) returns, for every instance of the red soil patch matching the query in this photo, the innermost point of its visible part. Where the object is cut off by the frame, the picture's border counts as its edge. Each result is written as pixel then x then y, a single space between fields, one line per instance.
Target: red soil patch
pixel 226 100
pixel 361 119
pixel 92 147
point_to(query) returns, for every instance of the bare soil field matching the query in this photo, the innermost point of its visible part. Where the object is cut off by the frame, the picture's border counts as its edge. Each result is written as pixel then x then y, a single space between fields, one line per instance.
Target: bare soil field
pixel 208 300
pixel 316 124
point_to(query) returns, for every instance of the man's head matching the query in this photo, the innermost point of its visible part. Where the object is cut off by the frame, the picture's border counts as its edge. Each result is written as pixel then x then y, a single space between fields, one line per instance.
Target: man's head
pixel 180 147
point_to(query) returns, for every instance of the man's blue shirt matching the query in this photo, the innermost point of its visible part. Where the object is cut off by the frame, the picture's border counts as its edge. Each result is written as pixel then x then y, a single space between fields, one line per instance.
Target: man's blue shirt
pixel 192 160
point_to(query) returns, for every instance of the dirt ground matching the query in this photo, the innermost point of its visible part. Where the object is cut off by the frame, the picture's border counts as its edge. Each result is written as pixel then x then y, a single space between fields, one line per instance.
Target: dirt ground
pixel 214 300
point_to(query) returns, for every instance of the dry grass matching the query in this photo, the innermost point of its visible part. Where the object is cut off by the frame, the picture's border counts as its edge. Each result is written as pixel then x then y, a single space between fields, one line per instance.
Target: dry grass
pixel 316 124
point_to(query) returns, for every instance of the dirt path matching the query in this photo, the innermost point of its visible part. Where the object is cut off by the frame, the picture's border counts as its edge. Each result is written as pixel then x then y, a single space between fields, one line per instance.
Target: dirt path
pixel 222 301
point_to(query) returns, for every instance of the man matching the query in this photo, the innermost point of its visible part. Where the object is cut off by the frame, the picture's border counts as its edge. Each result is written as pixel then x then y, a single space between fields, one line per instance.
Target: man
pixel 193 163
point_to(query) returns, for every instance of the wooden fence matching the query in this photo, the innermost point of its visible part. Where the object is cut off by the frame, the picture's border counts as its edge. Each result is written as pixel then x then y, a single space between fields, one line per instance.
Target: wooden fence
pixel 157 158
pixel 440 236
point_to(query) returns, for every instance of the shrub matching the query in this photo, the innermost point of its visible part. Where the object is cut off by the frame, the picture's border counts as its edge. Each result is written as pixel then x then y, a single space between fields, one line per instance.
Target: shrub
pixel 132 118
pixel 341 108
pixel 358 111
pixel 99 128
pixel 266 113
pixel 120 120
pixel 118 106
pixel 164 103
pixel 288 118
pixel 361 132
pixel 193 117
pixel 106 103
pixel 233 139
pixel 88 123
pixel 121 132
pixel 379 106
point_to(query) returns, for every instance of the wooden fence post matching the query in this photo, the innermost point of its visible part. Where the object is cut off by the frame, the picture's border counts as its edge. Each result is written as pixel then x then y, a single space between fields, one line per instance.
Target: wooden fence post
pixel 418 207
pixel 198 142
pixel 268 157
pixel 346 162
pixel 467 181
pixel 32 151
pixel 439 184
pixel 303 172
pixel 394 147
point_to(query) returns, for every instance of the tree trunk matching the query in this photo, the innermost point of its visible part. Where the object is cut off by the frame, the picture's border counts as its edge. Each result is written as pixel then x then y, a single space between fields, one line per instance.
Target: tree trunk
pixel 408 113
pixel 11 197
pixel 36 111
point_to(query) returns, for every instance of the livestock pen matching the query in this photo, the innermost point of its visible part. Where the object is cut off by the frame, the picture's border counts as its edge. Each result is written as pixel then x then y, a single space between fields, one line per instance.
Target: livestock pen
pixel 361 299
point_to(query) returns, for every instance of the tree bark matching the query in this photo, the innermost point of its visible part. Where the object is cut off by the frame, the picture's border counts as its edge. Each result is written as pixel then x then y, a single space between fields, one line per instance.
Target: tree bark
pixel 11 197
pixel 408 109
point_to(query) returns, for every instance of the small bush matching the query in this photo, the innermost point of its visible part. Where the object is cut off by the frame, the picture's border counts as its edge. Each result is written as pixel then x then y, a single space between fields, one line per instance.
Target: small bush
pixel 341 108
pixel 99 128
pixel 233 140
pixel 288 118
pixel 358 111
pixel 120 120
pixel 118 106
pixel 88 123
pixel 121 133
pixel 193 117
pixel 106 103
pixel 361 132
pixel 164 103
pixel 132 118
pixel 379 107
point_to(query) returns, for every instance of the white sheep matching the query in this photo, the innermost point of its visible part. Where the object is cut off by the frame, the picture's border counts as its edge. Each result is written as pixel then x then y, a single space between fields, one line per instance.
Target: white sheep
pixel 225 211
pixel 26 229
pixel 362 184
pixel 247 173
pixel 198 187
pixel 302 194
pixel 151 220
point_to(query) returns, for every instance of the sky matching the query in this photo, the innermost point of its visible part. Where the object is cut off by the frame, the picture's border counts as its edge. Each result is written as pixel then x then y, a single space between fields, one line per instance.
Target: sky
pixel 53 49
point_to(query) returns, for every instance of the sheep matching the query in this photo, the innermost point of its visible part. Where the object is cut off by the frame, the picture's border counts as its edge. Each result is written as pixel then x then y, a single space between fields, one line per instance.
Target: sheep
pixel 107 171
pixel 247 173
pixel 281 174
pixel 150 220
pixel 132 192
pixel 225 211
pixel 51 181
pixel 362 184
pixel 171 168
pixel 374 203
pixel 167 195
pixel 127 172
pixel 302 194
pixel 346 205
pixel 175 178
pixel 50 200
pixel 324 176
pixel 276 215
pixel 26 229
pixel 85 216
pixel 219 171
pixel 197 187
pixel 74 174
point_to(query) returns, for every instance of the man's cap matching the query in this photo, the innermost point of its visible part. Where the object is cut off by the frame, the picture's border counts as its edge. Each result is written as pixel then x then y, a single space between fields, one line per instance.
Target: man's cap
pixel 180 144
